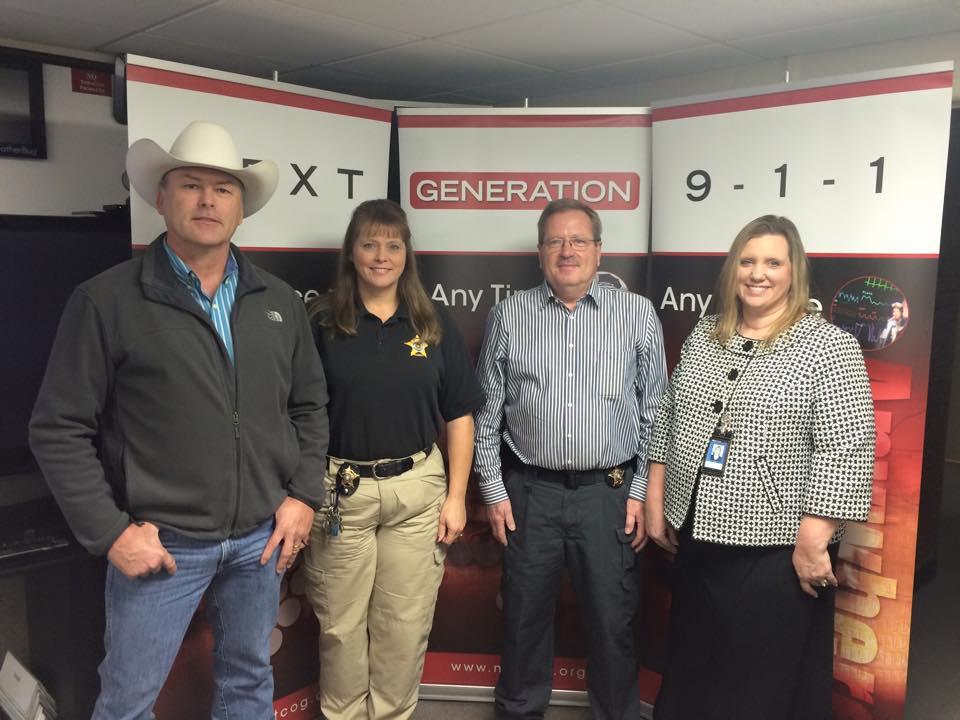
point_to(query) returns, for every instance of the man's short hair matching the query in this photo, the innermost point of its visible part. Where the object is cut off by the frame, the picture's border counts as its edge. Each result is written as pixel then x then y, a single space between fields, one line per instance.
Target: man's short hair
pixel 565 205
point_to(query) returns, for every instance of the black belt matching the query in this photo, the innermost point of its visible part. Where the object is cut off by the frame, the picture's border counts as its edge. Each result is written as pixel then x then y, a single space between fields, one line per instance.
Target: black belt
pixel 383 469
pixel 570 479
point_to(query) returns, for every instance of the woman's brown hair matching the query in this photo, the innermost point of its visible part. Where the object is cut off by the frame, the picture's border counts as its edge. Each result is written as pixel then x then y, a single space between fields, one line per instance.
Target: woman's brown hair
pixel 338 309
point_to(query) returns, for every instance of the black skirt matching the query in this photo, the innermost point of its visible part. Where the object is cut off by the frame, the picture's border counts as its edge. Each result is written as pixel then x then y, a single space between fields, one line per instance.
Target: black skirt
pixel 746 643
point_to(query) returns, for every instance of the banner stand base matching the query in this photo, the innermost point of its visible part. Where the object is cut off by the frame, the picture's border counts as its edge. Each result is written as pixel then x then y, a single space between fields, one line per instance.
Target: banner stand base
pixel 477 693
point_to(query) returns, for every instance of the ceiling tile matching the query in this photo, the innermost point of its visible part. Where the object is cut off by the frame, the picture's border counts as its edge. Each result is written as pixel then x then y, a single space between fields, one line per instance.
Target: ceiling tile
pixel 435 67
pixel 288 34
pixel 164 49
pixel 850 33
pixel 516 91
pixel 684 62
pixel 744 18
pixel 427 18
pixel 49 30
pixel 127 17
pixel 334 80
pixel 575 36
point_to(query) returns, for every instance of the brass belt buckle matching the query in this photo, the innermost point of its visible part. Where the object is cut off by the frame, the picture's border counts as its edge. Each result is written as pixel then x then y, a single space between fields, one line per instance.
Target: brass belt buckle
pixel 615 477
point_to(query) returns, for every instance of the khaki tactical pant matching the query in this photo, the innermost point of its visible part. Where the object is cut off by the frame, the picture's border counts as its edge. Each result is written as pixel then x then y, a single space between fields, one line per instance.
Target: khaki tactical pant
pixel 373 588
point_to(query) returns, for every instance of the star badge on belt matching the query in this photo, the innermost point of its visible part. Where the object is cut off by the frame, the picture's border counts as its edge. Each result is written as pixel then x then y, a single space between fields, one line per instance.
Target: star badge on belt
pixel 615 477
pixel 418 348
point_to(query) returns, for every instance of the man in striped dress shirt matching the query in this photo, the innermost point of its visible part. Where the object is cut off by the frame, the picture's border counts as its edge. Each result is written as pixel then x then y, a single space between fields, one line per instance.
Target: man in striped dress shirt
pixel 573 372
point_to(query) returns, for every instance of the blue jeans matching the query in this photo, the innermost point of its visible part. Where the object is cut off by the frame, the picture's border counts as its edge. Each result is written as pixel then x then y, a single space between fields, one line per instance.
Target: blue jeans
pixel 146 619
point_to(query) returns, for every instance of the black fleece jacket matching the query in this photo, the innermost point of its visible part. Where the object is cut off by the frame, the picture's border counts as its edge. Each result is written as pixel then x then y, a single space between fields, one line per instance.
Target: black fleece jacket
pixel 142 416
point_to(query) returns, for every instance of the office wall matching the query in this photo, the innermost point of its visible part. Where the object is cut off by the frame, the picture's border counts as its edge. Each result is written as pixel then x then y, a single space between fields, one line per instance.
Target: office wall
pixel 85 152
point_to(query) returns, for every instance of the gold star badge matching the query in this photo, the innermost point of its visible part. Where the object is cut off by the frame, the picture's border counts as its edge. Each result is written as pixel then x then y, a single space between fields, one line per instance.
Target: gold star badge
pixel 418 348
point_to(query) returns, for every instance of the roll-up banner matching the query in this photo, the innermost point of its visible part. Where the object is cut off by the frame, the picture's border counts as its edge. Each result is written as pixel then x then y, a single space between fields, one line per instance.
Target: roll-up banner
pixel 332 151
pixel 858 163
pixel 473 182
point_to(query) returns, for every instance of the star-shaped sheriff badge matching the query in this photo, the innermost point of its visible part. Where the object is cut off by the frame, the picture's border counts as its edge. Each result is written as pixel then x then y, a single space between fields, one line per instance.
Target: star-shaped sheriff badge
pixel 418 348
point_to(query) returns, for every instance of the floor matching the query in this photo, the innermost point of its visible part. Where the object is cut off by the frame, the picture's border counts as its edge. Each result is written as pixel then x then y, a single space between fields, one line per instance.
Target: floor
pixel 933 691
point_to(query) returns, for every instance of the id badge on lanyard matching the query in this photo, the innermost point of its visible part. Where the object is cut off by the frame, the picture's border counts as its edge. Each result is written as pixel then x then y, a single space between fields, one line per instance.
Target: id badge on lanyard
pixel 718 450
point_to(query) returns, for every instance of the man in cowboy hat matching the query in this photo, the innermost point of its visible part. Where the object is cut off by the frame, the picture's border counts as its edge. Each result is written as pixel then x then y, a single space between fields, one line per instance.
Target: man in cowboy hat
pixel 182 427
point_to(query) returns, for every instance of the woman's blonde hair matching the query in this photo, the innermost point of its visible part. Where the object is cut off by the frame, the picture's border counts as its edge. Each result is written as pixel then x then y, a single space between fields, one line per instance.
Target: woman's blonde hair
pixel 337 311
pixel 798 297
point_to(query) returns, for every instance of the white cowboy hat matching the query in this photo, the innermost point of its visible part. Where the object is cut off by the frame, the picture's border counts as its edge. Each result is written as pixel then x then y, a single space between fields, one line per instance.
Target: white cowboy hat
pixel 200 144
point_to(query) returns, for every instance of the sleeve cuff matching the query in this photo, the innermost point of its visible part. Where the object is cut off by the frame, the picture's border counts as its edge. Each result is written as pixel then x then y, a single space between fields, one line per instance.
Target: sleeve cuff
pixel 493 491
pixel 638 488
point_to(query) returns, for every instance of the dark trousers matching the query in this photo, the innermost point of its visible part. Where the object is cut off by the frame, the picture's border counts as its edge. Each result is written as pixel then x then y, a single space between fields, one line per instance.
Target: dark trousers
pixel 581 529
pixel 745 642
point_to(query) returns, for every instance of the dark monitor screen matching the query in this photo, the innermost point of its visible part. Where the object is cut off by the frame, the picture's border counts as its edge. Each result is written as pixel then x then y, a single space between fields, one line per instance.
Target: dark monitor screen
pixel 42 259
pixel 22 128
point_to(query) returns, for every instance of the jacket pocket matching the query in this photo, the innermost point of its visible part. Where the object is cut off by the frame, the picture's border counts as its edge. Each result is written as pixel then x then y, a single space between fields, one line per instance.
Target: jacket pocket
pixel 769 486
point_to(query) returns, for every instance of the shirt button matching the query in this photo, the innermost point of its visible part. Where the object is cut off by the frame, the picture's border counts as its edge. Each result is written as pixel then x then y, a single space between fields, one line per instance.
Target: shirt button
pixel 717 406
pixel 216 307
pixel 569 374
pixel 733 374
pixel 571 345
pixel 569 404
pixel 569 435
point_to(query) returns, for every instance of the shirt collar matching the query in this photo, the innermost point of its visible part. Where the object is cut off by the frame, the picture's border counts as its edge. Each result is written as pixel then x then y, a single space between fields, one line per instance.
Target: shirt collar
pixel 187 276
pixel 593 292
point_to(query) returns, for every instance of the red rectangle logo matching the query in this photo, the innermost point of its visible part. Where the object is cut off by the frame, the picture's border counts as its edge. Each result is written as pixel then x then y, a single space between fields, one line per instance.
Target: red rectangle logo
pixel 522 191
pixel 91 82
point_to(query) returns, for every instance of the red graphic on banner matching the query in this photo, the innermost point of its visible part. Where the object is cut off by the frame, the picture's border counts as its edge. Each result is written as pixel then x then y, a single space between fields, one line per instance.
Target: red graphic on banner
pixel 304 703
pixel 91 82
pixel 521 191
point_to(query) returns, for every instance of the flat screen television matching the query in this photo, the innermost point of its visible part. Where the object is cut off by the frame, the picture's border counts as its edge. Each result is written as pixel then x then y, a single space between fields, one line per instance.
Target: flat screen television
pixel 42 259
pixel 22 129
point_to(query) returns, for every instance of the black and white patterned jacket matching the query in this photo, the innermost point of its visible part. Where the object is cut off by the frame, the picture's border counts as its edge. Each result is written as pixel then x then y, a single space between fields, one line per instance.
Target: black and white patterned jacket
pixel 803 421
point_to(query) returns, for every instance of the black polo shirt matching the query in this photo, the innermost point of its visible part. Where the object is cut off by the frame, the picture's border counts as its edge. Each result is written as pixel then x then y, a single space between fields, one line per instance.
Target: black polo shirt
pixel 387 392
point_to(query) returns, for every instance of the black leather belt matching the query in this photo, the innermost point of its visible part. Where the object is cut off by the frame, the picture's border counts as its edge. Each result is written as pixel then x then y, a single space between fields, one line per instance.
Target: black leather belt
pixel 384 469
pixel 570 479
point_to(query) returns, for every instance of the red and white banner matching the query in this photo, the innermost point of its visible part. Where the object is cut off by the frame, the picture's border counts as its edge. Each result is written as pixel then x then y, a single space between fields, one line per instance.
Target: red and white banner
pixel 858 163
pixel 473 183
pixel 333 153
pixel 332 150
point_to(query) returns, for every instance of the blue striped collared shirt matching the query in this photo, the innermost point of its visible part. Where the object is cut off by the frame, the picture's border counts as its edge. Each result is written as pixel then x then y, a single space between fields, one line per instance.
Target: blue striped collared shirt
pixel 218 308
pixel 569 390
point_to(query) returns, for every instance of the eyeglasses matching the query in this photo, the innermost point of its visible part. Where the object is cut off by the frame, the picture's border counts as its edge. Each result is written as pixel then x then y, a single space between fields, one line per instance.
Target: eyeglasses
pixel 577 243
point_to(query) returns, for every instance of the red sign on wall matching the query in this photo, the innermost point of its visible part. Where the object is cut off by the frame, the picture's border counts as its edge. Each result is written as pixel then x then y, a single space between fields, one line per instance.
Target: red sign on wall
pixel 91 82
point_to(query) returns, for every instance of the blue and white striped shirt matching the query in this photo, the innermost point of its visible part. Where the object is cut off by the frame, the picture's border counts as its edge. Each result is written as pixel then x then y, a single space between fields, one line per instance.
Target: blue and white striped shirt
pixel 218 308
pixel 569 390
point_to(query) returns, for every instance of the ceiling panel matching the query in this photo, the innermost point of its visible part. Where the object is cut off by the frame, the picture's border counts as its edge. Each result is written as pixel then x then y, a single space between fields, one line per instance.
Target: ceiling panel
pixel 744 18
pixel 289 35
pixel 59 31
pixel 515 91
pixel 437 67
pixel 579 35
pixel 852 32
pixel 684 62
pixel 335 80
pixel 127 16
pixel 163 49
pixel 427 18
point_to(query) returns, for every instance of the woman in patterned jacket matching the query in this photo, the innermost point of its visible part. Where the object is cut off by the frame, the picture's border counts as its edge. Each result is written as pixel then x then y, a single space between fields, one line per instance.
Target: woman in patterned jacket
pixel 763 446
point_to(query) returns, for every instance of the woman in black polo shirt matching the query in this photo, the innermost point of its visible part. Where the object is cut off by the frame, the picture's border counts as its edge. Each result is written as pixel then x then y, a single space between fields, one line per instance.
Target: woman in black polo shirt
pixel 396 368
